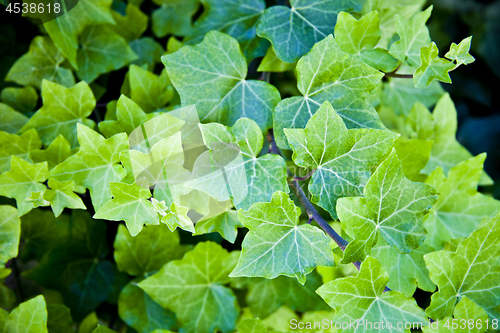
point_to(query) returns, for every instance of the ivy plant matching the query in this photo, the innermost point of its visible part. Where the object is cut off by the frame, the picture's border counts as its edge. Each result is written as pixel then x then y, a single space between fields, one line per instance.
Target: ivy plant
pixel 241 166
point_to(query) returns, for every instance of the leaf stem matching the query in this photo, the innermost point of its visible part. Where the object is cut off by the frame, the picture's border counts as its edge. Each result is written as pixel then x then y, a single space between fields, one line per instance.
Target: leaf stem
pixel 273 148
pixel 400 76
pixel 306 176
pixel 17 280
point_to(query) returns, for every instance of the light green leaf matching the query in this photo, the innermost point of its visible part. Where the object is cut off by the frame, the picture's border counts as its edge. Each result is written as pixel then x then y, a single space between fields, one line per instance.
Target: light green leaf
pixel 277 244
pixel 11 121
pixel 148 90
pixel 220 219
pixel 28 317
pixel 176 216
pixel 212 74
pixel 36 198
pixel 460 53
pixel 129 204
pixel 129 116
pixel 147 252
pixel 392 207
pixel 471 271
pixel 131 25
pixel 58 151
pixel 173 17
pixel 61 195
pixel 42 62
pixel 10 231
pixel 102 50
pixel 413 35
pixel 148 50
pixel 293 31
pixel 251 325
pixel 95 165
pixel 65 29
pixel 363 298
pixel 327 73
pixel 62 109
pixel 22 179
pixel 103 329
pixel 432 67
pixel 414 155
pixel 271 63
pixel 17 145
pixel 194 289
pixel 21 99
pixel 460 208
pixel 343 158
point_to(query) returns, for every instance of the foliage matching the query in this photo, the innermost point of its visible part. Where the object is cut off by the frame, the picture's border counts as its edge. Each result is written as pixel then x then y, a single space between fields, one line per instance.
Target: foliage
pixel 241 166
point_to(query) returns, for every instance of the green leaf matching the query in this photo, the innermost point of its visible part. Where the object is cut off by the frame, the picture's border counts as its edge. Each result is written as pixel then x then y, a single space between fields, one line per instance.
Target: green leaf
pixel 343 158
pixel 460 53
pixel 237 18
pixel 194 289
pixel 176 216
pixel 414 155
pixel 327 73
pixel 131 25
pixel 413 35
pixel 233 170
pixel 406 271
pixel 271 63
pixel 392 207
pixel 42 62
pixel 460 208
pixel 22 179
pixel 148 90
pixel 102 50
pixel 28 317
pixel 173 17
pixel 129 204
pixel 21 99
pixel 363 298
pixel 57 152
pixel 10 231
pixel 17 145
pixel 95 165
pixel 65 29
pixel 148 251
pixel 432 67
pixel 60 195
pixel 62 109
pixel 140 312
pixel 36 198
pixel 11 121
pixel 148 50
pixel 277 244
pixel 103 329
pixel 212 74
pixel 471 271
pixel 293 31
pixel 59 319
pixel 220 219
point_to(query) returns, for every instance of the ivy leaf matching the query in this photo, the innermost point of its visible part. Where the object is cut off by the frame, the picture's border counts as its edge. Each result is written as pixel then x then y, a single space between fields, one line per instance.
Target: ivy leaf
pixel 148 90
pixel 22 99
pixel 212 74
pixel 200 275
pixel 102 50
pixel 362 297
pixel 360 37
pixel 11 121
pixel 148 50
pixel 338 154
pixel 237 18
pixel 65 29
pixel 23 179
pixel 173 17
pixel 271 63
pixel 460 53
pixel 58 151
pixel 95 165
pixel 140 312
pixel 129 204
pixel 392 207
pixel 42 62
pixel 413 35
pixel 293 31
pixel 220 219
pixel 59 319
pixel 327 73
pixel 471 271
pixel 148 251
pixel 277 244
pixel 233 170
pixel 406 271
pixel 132 25
pixel 62 109
pixel 432 67
pixel 28 317
pixel 176 216
pixel 36 198
pixel 460 208
pixel 17 145
pixel 129 116
pixel 61 195
pixel 10 231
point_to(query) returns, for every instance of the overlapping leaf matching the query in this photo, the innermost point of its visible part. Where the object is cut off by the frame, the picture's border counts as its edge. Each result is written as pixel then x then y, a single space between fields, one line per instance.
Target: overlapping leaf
pixel 11 120
pixel 148 90
pixel 17 145
pixel 148 50
pixel 173 17
pixel 221 218
pixel 56 152
pixel 131 25
pixel 460 53
pixel 28 317
pixel 60 195
pixel 432 67
pixel 10 231
pixel 22 99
